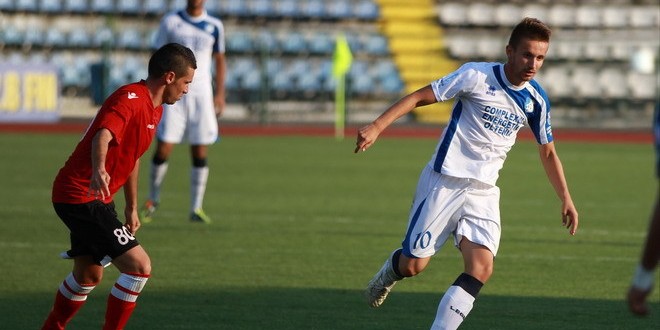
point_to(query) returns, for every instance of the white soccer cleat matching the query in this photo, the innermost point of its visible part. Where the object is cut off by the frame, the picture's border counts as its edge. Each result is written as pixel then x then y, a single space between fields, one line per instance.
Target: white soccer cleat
pixel 381 284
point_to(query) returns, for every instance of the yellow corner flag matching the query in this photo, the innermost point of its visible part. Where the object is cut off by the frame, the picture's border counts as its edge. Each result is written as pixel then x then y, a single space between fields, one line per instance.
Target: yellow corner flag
pixel 342 58
pixel 341 63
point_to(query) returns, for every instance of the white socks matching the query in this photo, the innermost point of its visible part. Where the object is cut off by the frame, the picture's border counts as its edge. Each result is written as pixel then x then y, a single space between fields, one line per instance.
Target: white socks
pixel 643 279
pixel 454 307
pixel 157 175
pixel 198 178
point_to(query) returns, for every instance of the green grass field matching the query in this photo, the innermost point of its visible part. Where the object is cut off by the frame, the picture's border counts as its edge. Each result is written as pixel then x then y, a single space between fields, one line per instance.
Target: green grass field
pixel 301 224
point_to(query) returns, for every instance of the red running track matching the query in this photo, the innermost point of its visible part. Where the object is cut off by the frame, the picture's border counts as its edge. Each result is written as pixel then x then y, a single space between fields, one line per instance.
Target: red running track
pixel 409 131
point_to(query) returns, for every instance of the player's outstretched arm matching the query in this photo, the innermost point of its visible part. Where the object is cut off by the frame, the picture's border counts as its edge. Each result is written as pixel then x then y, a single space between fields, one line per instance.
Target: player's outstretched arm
pixel 555 173
pixel 368 134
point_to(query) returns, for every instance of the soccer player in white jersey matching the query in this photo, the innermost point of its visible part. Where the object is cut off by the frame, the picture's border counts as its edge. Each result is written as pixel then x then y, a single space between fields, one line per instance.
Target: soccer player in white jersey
pixel 195 117
pixel 457 193
pixel 642 282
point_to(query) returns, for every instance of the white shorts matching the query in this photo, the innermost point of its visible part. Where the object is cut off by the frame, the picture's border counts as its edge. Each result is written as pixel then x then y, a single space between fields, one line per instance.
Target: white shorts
pixel 445 205
pixel 191 118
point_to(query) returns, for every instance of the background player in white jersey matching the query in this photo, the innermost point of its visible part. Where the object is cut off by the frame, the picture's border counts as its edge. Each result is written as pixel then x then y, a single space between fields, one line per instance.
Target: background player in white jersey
pixel 194 118
pixel 642 282
pixel 457 193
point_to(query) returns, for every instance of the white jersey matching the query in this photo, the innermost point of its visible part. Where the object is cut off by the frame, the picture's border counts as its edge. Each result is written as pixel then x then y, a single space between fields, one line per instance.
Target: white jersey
pixel 203 34
pixel 487 115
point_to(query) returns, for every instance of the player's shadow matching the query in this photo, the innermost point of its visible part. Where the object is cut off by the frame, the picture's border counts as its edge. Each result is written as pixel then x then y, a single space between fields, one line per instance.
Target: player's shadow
pixel 294 308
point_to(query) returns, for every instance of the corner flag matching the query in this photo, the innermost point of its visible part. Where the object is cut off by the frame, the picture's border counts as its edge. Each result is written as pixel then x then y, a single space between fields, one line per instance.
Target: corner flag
pixel 342 58
pixel 341 63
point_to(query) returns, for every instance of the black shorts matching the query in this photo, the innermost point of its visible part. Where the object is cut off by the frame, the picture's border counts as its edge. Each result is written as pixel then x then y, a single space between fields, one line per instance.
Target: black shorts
pixel 95 230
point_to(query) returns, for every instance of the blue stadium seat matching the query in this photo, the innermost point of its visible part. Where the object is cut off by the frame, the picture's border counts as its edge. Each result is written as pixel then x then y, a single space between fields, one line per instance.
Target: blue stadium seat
pixel 325 70
pixel 102 6
pixel 383 68
pixel 135 68
pixel 51 6
pixel 261 8
pixel 358 68
pixel 320 43
pixel 6 5
pixel 309 85
pixel 251 81
pixel 273 67
pixel 293 43
pixel 391 84
pixel 231 81
pixel 12 36
pixel 130 7
pixel 338 9
pixel 177 5
pixel 55 38
pixel 287 9
pixel 26 5
pixel 376 44
pixel 76 6
pixel 233 8
pixel 213 8
pixel 76 74
pixel 366 10
pixel 33 37
pixel 313 9
pixel 104 37
pixel 362 85
pixel 329 84
pixel 354 42
pixel 241 66
pixel 130 38
pixel 239 42
pixel 267 40
pixel 79 38
pixel 282 84
pixel 155 7
pixel 299 68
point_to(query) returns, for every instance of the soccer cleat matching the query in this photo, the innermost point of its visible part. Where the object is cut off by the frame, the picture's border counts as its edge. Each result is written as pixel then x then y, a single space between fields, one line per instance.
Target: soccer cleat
pixel 198 215
pixel 637 301
pixel 381 284
pixel 148 210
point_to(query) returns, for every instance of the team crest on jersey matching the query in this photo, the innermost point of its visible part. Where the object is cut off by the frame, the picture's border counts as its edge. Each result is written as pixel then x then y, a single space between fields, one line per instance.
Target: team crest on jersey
pixel 209 28
pixel 491 90
pixel 529 105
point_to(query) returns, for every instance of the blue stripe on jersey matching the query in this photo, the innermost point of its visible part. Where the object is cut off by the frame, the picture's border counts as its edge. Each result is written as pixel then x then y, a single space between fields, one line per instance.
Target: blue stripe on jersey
pixel 202 25
pixel 449 135
pixel 406 241
pixel 522 98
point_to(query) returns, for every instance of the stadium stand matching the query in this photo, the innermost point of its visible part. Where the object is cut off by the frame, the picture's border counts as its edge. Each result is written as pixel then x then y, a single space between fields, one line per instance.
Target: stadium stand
pixel 604 55
pixel 600 52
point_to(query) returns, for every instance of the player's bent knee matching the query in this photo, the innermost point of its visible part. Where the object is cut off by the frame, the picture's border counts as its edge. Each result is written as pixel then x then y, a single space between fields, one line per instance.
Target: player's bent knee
pixel 482 272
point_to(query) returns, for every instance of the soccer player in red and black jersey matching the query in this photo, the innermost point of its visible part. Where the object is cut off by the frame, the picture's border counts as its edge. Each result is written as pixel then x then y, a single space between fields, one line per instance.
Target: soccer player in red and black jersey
pixel 105 160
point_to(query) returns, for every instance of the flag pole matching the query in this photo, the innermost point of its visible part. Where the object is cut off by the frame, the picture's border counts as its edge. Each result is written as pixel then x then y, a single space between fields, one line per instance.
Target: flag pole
pixel 340 107
pixel 341 63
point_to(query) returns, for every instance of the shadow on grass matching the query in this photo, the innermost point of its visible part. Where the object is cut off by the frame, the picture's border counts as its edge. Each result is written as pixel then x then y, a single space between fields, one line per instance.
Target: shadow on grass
pixel 275 308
